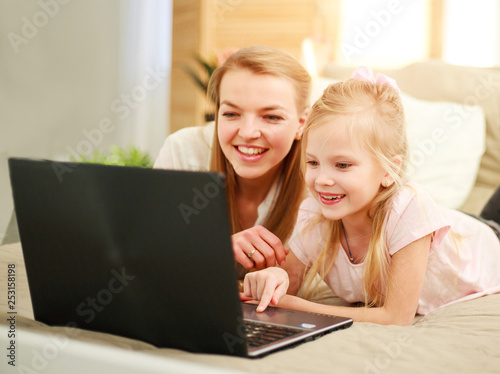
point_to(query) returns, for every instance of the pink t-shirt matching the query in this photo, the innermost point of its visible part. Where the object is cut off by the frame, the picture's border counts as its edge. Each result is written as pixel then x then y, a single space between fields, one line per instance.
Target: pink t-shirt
pixel 453 274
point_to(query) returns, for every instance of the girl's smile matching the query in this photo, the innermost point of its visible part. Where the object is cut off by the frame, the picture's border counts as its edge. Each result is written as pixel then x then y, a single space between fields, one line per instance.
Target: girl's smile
pixel 330 199
pixel 343 177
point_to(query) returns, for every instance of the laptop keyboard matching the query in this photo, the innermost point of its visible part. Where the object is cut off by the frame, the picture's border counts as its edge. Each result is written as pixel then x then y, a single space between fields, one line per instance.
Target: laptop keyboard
pixel 260 333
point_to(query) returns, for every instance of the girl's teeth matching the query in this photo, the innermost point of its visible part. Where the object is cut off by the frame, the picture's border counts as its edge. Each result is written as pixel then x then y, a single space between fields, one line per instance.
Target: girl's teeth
pixel 332 197
pixel 250 151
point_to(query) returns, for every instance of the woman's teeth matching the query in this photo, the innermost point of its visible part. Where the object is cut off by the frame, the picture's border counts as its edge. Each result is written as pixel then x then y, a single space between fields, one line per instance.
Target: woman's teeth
pixel 250 151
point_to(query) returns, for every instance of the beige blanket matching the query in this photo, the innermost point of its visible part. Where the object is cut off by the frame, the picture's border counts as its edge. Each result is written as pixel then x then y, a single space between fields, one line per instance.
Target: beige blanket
pixel 459 338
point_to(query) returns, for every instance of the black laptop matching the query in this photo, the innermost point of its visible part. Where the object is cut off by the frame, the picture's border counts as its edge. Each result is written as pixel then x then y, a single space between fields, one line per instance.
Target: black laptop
pixel 144 254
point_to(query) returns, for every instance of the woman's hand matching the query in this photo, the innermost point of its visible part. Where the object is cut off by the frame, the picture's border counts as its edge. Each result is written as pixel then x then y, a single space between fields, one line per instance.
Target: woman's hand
pixel 258 248
pixel 267 286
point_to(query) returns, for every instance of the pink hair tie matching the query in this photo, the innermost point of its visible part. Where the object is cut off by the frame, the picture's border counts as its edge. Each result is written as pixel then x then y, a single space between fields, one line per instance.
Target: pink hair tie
pixel 364 74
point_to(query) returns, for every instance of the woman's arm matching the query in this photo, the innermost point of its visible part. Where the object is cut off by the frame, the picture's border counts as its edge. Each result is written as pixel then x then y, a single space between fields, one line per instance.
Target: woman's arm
pixel 406 278
pixel 258 248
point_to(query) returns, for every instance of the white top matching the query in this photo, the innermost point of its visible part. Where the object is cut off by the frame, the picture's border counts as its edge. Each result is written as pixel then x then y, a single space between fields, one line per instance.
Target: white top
pixel 451 276
pixel 189 149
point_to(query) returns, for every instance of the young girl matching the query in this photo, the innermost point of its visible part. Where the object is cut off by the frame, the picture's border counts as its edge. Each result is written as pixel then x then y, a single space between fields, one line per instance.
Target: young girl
pixel 261 96
pixel 373 236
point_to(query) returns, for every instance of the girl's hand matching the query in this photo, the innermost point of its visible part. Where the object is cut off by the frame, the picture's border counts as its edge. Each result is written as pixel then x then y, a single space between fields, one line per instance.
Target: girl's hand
pixel 258 248
pixel 268 286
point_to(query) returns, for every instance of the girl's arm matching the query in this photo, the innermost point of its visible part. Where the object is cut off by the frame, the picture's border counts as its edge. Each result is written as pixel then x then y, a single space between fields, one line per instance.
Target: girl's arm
pixel 406 277
pixel 271 284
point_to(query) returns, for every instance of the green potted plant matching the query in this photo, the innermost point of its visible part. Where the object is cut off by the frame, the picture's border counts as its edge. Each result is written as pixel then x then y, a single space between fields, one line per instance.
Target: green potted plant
pixel 204 69
pixel 128 156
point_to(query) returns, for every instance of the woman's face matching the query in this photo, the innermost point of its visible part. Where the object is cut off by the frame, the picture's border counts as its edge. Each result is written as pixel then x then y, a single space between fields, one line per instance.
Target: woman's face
pixel 258 121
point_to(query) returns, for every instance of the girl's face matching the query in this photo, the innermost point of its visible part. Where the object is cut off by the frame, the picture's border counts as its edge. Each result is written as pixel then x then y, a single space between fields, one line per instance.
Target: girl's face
pixel 341 176
pixel 257 122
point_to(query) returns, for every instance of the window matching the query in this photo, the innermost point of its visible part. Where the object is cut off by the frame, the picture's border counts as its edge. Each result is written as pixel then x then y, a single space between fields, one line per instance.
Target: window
pixel 393 33
pixel 382 32
pixel 471 32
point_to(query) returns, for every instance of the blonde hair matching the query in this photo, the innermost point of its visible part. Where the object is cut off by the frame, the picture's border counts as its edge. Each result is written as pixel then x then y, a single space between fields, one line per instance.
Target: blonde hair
pixel 265 60
pixel 374 119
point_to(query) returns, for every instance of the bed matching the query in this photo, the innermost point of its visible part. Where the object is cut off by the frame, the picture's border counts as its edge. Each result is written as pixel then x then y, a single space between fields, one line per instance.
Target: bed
pixel 459 164
pixel 459 338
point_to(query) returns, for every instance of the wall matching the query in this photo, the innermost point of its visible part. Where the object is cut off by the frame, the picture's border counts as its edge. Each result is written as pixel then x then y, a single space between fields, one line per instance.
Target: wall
pixel 60 72
pixel 207 27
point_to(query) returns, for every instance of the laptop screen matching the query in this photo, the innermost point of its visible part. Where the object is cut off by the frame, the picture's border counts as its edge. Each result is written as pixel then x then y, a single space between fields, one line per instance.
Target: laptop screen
pixel 136 252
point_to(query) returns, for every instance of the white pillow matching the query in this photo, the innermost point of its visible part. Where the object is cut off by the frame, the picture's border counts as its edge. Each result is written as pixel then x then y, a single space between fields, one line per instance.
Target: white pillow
pixel 446 142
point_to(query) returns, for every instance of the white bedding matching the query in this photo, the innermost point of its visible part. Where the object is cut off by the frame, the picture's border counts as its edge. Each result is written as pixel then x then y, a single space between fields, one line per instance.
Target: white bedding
pixel 459 338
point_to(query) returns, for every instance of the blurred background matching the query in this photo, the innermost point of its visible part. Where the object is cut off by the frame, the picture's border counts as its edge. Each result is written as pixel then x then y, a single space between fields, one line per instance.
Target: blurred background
pixel 77 76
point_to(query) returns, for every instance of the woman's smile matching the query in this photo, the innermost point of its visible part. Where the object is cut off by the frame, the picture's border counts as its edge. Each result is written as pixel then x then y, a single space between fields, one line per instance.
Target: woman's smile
pixel 250 153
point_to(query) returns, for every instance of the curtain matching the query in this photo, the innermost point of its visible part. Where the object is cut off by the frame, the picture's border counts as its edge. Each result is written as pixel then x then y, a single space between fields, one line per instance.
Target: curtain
pixel 143 106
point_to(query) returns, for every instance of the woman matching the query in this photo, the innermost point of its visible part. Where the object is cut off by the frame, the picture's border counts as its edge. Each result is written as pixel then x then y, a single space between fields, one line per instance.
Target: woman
pixel 261 97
